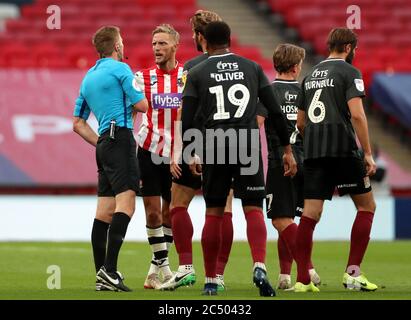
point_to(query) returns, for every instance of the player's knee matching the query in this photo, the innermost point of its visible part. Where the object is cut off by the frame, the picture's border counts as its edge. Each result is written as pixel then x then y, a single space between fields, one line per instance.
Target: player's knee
pixel 105 216
pixel 369 206
pixel 127 208
pixel 280 224
pixel 153 218
pixel 179 202
pixel 372 206
pixel 313 214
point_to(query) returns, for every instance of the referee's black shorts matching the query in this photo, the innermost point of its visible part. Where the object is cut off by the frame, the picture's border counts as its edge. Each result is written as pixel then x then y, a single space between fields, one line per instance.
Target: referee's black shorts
pixel 155 175
pixel 285 195
pixel 323 175
pixel 117 163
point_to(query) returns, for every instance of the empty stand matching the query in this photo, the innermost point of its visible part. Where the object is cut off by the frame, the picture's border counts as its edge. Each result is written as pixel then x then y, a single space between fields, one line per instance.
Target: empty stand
pixel 384 37
pixel 27 42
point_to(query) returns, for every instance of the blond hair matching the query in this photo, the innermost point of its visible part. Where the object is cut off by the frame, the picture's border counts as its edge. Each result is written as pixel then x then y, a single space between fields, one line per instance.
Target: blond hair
pixel 286 56
pixel 202 18
pixel 167 28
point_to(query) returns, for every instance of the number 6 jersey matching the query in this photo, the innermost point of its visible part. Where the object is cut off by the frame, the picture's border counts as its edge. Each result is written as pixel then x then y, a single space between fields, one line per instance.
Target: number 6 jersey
pixel 325 94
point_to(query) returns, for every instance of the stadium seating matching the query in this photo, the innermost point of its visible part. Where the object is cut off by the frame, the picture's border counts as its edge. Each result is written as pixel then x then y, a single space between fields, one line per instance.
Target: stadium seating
pixel 384 43
pixel 27 42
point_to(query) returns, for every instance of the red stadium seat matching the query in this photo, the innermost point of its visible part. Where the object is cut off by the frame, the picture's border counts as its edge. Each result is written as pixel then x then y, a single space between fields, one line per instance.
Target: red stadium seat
pixel 80 57
pixel 14 50
pixel 384 41
pixel 46 54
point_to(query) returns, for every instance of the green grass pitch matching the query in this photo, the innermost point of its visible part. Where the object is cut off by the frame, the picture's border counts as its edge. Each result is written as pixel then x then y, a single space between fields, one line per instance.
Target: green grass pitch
pixel 24 272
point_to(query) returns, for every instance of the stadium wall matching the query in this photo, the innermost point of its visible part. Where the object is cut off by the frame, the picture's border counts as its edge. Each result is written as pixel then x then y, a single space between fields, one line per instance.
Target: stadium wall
pixel 70 218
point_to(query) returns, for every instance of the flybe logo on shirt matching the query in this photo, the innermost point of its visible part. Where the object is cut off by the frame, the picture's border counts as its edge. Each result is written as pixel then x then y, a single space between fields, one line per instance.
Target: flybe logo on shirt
pixel 166 100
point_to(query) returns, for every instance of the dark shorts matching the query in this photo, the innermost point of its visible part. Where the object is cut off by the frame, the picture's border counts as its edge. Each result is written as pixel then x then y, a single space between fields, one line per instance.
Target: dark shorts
pixel 285 195
pixel 117 163
pixel 323 175
pixel 155 175
pixel 218 179
pixel 187 179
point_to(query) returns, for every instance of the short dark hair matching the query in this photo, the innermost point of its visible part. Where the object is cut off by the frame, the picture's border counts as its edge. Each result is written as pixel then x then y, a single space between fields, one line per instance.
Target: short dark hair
pixel 339 38
pixel 105 39
pixel 217 33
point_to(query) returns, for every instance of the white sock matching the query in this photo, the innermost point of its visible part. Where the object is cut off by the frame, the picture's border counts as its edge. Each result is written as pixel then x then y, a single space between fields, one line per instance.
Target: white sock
pixel 284 276
pixel 153 267
pixel 186 268
pixel 168 235
pixel 210 280
pixel 260 265
pixel 159 248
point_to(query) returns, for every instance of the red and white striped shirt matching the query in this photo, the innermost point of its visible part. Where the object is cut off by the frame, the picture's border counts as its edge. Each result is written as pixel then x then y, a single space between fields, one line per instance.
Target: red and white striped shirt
pixel 163 91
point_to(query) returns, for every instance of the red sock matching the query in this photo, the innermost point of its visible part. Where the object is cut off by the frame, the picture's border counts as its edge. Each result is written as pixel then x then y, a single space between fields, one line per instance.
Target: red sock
pixel 226 242
pixel 286 248
pixel 360 236
pixel 256 235
pixel 183 234
pixel 310 265
pixel 304 246
pixel 211 241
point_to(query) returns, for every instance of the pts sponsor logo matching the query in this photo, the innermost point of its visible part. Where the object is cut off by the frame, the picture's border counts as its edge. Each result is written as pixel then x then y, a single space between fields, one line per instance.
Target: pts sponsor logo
pixel 227 66
pixel 319 73
pixel 290 96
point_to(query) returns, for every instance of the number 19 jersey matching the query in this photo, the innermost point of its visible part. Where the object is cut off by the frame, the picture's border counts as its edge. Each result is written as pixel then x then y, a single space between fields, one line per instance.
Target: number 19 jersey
pixel 227 88
pixel 325 95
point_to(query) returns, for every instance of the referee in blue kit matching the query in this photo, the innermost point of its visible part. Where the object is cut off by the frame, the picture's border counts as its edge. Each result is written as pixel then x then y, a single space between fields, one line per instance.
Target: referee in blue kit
pixel 110 92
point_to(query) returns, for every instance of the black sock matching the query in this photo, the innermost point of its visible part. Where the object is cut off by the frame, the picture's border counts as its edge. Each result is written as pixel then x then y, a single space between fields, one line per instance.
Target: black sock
pixel 116 234
pixel 99 242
